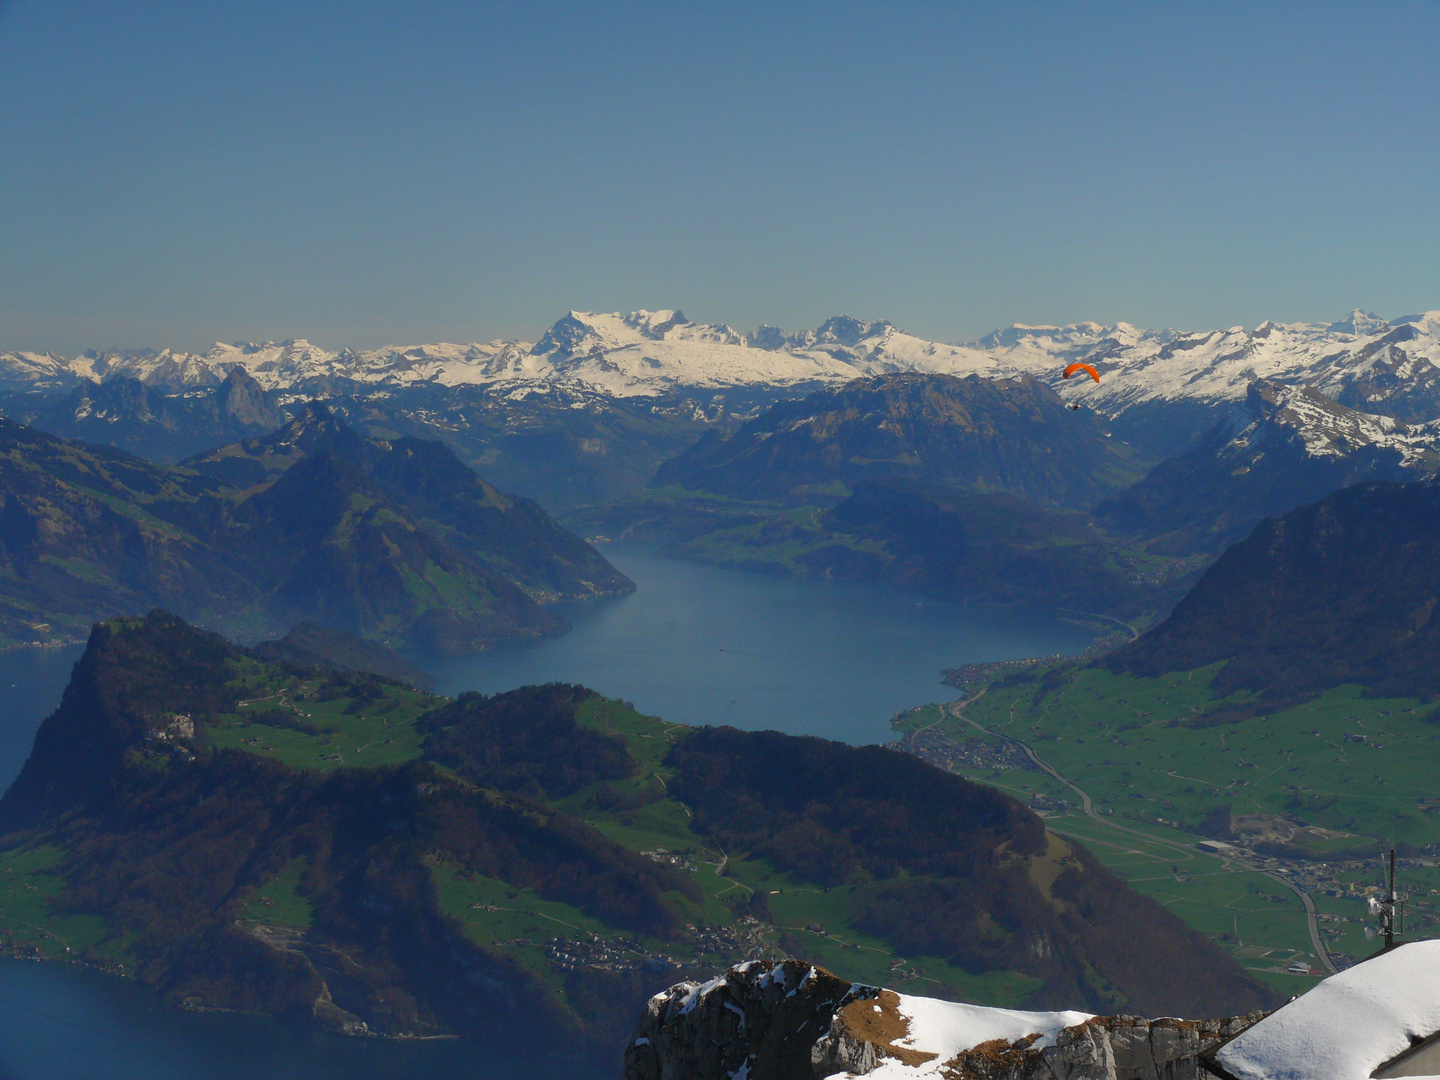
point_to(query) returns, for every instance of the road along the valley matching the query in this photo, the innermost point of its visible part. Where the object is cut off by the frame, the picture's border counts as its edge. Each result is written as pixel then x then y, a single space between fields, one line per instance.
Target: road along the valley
pixel 1321 953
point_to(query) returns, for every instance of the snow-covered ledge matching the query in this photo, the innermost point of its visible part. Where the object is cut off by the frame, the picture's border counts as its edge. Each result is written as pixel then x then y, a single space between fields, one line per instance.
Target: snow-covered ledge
pixel 1380 1018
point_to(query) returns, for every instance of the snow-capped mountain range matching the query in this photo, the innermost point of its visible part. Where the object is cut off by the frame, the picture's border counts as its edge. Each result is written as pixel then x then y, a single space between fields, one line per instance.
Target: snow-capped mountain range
pixel 1388 367
pixel 1328 429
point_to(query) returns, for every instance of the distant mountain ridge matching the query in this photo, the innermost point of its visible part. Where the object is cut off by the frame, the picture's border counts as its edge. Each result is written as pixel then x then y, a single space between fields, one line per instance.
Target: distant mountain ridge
pixel 1382 367
pixel 983 435
pixel 437 492
pixel 392 539
pixel 1289 446
pixel 965 490
pixel 145 420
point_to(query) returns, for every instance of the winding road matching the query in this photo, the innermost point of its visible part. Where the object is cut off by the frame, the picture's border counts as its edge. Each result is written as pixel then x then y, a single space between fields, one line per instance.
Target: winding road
pixel 1088 808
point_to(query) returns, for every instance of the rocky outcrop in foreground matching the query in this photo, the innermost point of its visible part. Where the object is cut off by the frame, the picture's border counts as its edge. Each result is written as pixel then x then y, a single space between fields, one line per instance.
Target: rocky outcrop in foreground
pixel 791 1021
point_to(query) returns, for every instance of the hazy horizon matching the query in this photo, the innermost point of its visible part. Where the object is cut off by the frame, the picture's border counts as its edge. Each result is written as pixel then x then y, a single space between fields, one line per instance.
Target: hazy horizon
pixel 373 174
pixel 200 347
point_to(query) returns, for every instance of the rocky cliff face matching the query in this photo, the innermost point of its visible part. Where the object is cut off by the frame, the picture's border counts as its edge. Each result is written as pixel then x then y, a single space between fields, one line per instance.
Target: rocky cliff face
pixel 792 1021
pixel 758 1020
pixel 1103 1048
pixel 144 420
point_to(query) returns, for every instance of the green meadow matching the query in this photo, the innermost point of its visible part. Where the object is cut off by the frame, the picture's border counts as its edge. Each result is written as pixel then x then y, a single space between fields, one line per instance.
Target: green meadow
pixel 321 723
pixel 1164 757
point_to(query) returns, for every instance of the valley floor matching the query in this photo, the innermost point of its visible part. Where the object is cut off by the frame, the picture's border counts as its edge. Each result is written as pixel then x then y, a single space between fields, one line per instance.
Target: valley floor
pixel 1285 892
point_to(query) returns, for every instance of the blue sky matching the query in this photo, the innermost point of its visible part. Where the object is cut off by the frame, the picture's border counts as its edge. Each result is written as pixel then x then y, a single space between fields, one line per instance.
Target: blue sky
pixel 372 173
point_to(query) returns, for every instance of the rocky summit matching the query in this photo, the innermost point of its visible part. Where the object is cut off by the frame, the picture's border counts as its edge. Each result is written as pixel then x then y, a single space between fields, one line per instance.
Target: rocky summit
pixel 794 1021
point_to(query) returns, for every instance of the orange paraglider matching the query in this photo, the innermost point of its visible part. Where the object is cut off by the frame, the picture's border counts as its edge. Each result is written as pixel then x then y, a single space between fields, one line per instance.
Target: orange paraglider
pixel 1081 367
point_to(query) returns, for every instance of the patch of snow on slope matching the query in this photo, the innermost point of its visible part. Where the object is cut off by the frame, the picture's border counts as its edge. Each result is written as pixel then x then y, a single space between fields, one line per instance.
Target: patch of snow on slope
pixel 25 370
pixel 1328 429
pixel 945 1028
pixel 1348 1024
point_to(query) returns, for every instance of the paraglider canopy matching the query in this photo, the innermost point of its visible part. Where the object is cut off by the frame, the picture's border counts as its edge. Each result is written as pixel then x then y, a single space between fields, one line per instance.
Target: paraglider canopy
pixel 1081 367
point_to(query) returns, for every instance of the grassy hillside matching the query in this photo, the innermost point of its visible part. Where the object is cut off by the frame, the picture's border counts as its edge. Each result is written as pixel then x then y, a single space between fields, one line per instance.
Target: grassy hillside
pixel 343 848
pixel 1285 711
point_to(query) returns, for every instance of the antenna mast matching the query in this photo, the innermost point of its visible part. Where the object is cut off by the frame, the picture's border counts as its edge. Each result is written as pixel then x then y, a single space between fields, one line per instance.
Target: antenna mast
pixel 1389 916
pixel 1388 911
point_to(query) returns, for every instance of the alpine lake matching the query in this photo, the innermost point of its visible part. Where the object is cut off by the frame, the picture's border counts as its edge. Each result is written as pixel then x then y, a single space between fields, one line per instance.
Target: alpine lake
pixel 695 644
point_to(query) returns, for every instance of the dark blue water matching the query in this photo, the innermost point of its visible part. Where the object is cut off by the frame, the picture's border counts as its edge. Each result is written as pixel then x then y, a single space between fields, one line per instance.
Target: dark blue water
pixel 701 644
pixel 60 1024
pixel 695 644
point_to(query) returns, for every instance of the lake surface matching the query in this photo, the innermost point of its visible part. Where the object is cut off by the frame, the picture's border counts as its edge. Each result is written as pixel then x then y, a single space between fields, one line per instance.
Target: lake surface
pixel 695 644
pixel 60 1024
pixel 701 644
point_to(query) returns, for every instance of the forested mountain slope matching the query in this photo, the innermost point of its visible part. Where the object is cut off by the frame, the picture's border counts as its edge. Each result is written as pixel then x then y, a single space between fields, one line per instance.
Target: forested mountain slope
pixel 396 540
pixel 1343 590
pixel 984 435
pixel 246 834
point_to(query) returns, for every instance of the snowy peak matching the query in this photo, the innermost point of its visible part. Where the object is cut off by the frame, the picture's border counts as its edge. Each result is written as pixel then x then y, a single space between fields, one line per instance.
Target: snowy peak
pixel 36 371
pixel 656 325
pixel 1082 336
pixel 1359 324
pixel 848 331
pixel 565 337
pixel 1363 362
pixel 581 332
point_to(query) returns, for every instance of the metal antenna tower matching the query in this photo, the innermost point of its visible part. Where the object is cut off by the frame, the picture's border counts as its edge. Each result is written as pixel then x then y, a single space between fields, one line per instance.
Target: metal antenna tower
pixel 1389 912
